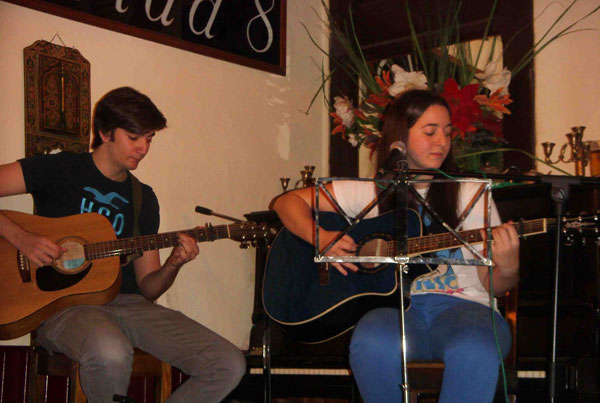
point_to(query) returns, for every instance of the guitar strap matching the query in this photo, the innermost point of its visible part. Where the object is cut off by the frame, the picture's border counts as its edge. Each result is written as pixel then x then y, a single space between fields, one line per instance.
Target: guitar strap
pixel 136 192
pixel 469 206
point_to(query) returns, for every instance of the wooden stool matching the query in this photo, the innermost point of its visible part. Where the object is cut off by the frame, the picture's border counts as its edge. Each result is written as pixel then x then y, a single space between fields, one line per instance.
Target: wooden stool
pixel 424 377
pixel 42 364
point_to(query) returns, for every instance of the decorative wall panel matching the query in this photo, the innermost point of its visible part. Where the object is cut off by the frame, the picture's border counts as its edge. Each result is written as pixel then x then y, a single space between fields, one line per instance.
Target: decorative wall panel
pixel 57 99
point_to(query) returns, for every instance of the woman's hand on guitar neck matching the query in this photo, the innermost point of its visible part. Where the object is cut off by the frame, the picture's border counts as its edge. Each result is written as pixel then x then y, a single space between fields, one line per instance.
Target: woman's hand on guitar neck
pixel 505 249
pixel 505 255
pixel 345 246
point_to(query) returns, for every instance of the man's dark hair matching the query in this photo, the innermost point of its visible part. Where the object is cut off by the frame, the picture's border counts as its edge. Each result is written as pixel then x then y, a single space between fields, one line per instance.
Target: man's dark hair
pixel 127 109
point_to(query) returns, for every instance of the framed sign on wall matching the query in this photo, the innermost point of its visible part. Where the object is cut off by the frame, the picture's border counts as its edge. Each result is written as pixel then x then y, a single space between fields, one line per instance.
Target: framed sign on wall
pixel 246 32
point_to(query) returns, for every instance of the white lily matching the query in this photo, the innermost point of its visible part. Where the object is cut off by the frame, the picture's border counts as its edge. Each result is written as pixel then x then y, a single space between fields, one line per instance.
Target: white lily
pixel 343 108
pixel 406 80
pixel 353 139
pixel 492 79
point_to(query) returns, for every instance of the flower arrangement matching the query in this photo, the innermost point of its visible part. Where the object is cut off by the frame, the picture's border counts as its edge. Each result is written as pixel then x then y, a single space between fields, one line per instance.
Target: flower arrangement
pixel 361 125
pixel 476 110
pixel 478 98
pixel 477 106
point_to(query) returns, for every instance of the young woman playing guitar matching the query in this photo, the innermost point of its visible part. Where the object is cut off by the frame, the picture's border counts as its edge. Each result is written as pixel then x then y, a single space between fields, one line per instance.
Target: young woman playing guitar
pixel 449 316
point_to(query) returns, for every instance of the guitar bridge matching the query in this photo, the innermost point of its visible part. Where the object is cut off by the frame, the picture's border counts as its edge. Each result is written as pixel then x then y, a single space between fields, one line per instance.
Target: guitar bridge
pixel 24 269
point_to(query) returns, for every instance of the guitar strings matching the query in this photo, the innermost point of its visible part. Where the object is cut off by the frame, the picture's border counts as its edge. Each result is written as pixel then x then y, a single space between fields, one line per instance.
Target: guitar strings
pixel 243 231
pixel 442 241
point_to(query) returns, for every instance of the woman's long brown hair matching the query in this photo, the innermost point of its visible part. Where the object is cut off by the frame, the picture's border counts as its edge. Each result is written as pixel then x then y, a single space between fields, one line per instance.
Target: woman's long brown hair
pixel 400 116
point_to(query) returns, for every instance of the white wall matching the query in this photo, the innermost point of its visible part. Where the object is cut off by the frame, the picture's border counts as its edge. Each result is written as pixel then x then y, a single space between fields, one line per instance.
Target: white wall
pixel 567 78
pixel 232 132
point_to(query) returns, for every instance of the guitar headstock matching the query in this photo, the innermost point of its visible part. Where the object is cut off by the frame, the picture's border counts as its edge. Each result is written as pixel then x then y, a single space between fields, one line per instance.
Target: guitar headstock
pixel 248 233
pixel 581 226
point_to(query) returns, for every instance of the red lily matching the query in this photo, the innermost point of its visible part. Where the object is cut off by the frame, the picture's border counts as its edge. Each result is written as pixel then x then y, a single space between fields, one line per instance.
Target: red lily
pixel 495 101
pixel 339 128
pixel 465 111
pixel 384 81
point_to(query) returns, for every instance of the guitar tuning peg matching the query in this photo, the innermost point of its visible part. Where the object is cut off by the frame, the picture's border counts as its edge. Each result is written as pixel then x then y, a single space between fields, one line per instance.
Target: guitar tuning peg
pixel 244 245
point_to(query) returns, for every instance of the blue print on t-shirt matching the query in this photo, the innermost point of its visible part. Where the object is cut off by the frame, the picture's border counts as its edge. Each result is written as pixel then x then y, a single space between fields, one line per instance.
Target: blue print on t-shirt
pixel 442 280
pixel 107 198
pixel 118 219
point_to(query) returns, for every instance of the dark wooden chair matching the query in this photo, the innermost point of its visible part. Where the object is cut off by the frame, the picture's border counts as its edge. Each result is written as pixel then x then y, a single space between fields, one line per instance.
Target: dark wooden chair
pixel 42 365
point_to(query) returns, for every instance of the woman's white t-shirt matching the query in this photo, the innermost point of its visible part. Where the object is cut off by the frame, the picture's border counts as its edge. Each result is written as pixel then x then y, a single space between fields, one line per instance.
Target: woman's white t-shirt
pixel 457 280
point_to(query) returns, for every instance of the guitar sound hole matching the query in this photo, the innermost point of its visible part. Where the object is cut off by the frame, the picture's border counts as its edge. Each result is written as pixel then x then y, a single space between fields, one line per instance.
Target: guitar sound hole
pixel 373 245
pixel 48 279
pixel 73 260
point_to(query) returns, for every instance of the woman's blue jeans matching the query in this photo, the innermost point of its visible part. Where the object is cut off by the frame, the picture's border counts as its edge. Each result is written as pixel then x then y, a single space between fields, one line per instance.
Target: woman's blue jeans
pixel 438 327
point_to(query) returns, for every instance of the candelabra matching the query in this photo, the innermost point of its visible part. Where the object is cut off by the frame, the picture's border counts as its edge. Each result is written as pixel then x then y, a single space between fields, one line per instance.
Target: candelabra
pixel 580 150
pixel 306 178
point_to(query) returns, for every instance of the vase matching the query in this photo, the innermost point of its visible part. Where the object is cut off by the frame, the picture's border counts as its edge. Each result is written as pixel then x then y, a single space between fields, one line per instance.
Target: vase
pixel 492 162
pixel 489 161
pixel 469 163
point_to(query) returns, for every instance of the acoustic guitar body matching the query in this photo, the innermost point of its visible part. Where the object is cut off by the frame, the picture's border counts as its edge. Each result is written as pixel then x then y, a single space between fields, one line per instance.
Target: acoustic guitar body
pixel 28 294
pixel 312 311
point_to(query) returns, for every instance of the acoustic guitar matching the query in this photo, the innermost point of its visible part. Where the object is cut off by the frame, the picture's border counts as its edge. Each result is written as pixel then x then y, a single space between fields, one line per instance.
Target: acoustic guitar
pixel 312 311
pixel 88 272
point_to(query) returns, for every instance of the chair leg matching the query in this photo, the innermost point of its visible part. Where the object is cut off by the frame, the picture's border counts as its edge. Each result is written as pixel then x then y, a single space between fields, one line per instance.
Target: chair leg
pixel 37 384
pixel 41 385
pixel 76 394
pixel 33 387
pixel 165 382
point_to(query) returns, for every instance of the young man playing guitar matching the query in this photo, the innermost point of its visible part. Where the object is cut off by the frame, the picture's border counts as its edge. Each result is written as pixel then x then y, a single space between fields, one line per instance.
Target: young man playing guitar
pixel 101 338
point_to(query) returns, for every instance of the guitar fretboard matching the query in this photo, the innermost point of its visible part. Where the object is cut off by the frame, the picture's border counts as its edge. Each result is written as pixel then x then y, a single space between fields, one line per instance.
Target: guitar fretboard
pixel 128 246
pixel 441 241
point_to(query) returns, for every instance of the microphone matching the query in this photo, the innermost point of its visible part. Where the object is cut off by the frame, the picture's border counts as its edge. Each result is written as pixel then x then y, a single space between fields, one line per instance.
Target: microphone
pixel 206 211
pixel 397 153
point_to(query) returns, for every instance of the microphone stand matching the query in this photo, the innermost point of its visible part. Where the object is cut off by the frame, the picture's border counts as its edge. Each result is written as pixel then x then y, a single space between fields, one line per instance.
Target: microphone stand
pixel 560 195
pixel 401 217
pixel 206 211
